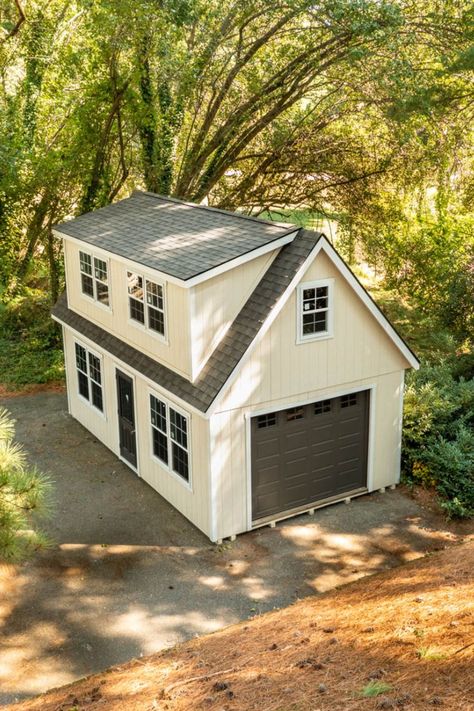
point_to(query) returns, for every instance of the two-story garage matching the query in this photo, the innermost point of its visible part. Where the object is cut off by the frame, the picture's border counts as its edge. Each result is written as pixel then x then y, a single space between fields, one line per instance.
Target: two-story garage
pixel 236 365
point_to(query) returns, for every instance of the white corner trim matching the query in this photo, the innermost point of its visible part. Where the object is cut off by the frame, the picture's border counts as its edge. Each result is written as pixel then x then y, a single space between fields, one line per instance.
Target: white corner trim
pixel 184 283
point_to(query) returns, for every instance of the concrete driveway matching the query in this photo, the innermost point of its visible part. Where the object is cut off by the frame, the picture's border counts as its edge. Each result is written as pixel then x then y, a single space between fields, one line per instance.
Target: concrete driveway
pixel 129 575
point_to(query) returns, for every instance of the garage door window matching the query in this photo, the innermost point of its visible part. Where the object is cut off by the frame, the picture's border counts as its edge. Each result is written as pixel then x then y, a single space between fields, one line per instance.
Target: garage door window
pixel 294 413
pixel 321 407
pixel 267 420
pixel 349 400
pixel 315 310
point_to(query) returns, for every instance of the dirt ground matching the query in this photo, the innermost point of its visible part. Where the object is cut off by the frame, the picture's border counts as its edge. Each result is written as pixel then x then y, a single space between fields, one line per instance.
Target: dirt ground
pixel 403 639
pixel 129 576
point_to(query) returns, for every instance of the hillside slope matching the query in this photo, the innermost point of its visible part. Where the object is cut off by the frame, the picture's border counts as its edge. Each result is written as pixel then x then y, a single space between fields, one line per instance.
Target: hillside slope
pixel 410 630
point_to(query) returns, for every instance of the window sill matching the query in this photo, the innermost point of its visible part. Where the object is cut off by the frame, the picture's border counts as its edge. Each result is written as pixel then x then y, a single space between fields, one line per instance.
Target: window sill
pixel 91 300
pixel 187 484
pixel 310 339
pixel 149 331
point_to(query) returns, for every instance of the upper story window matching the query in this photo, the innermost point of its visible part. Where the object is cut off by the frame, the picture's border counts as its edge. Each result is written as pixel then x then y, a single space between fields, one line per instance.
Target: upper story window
pixel 315 310
pixel 170 435
pixel 89 376
pixel 94 278
pixel 146 302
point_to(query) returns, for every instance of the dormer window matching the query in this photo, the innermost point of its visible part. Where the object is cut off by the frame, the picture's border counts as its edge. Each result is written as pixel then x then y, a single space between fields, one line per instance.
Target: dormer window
pixel 146 302
pixel 315 310
pixel 94 278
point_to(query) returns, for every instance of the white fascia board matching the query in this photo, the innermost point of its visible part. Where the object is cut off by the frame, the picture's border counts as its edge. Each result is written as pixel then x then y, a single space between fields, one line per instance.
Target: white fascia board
pixel 369 303
pixel 184 283
pixel 266 325
pixel 183 404
pixel 325 245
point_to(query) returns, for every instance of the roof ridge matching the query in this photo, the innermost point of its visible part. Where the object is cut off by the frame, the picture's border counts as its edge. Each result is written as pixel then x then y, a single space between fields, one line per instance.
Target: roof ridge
pixel 230 213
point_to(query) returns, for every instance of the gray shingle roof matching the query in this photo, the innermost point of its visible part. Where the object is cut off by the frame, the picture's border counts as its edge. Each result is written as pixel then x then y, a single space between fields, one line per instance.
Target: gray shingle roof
pixel 233 346
pixel 175 237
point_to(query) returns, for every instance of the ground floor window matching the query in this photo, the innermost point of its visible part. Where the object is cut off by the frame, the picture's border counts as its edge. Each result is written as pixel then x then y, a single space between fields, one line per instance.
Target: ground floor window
pixel 170 436
pixel 89 376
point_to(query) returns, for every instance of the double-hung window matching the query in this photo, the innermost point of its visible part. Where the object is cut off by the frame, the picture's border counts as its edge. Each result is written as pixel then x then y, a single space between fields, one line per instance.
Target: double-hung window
pixel 170 437
pixel 94 277
pixel 315 310
pixel 146 302
pixel 89 377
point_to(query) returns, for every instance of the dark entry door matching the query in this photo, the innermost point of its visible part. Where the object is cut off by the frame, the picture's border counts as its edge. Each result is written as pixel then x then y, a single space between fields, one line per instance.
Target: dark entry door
pixel 126 417
pixel 308 454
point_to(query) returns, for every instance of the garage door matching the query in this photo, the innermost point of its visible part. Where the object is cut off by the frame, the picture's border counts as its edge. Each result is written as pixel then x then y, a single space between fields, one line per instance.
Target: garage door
pixel 304 455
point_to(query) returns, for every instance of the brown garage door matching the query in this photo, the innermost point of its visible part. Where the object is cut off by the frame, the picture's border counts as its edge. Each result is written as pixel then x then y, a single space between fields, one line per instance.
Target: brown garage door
pixel 306 454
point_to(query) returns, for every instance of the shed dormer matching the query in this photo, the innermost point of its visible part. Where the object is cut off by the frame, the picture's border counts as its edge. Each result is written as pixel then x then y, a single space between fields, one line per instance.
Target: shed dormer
pixel 167 276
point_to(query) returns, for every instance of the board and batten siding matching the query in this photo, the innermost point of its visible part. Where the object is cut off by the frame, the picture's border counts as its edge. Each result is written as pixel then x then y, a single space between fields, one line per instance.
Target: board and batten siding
pixel 175 352
pixel 216 302
pixel 194 504
pixel 280 373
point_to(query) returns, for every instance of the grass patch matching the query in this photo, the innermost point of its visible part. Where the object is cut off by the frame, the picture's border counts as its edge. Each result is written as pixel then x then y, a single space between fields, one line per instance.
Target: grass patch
pixel 375 688
pixel 430 655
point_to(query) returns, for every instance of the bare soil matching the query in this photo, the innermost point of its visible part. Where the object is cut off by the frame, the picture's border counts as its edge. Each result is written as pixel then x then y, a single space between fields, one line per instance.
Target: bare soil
pixel 406 636
pixel 55 386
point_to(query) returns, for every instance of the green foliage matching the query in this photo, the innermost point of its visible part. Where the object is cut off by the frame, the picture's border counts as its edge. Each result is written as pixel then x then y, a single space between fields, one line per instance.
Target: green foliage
pixel 24 493
pixel 30 342
pixel 438 435
pixel 375 688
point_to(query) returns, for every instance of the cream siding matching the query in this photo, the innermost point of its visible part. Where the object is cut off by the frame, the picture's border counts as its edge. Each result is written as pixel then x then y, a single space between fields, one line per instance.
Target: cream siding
pixel 174 353
pixel 279 373
pixel 216 302
pixel 194 504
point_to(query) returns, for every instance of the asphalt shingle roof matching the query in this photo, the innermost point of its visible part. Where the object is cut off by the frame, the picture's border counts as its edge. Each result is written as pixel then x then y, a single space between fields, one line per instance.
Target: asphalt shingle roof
pixel 230 350
pixel 175 237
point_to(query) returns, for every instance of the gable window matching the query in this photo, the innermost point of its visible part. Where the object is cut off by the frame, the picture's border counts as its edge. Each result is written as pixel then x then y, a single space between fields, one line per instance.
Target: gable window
pixel 146 302
pixel 89 377
pixel 94 278
pixel 170 433
pixel 315 310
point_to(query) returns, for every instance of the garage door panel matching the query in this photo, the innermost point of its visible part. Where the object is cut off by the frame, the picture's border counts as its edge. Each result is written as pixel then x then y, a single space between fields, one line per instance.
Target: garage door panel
pixel 309 453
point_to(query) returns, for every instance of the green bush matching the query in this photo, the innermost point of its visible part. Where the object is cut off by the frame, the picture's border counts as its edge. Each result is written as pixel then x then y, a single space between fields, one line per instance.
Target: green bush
pixel 30 341
pixel 438 436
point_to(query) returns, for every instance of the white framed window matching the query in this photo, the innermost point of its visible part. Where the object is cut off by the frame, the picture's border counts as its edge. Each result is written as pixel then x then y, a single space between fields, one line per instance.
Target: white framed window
pixel 315 310
pixel 89 376
pixel 146 301
pixel 170 437
pixel 94 278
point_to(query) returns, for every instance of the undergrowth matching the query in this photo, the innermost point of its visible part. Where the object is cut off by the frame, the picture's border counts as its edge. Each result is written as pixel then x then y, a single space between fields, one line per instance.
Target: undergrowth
pixel 30 341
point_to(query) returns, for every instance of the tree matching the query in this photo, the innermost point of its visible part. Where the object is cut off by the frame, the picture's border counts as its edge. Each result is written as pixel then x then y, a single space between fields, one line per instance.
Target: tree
pixel 25 494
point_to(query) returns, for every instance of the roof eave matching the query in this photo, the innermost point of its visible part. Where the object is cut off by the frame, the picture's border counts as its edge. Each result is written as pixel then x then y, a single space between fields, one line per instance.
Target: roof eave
pixel 270 246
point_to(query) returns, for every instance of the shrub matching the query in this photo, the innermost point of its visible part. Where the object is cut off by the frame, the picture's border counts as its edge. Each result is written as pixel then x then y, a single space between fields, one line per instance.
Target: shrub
pixel 438 436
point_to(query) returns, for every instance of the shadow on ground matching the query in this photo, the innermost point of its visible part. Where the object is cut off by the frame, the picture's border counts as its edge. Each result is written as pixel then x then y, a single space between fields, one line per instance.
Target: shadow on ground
pixel 130 575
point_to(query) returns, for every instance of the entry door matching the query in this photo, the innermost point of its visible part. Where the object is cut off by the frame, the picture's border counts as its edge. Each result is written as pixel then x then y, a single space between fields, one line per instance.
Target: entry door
pixel 126 418
pixel 308 454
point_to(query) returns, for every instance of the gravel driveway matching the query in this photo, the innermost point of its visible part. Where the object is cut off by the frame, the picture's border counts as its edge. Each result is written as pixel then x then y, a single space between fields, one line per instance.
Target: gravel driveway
pixel 129 575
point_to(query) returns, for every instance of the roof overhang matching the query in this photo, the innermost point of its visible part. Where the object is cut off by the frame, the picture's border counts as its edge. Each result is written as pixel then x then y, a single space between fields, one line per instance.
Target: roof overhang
pixel 271 246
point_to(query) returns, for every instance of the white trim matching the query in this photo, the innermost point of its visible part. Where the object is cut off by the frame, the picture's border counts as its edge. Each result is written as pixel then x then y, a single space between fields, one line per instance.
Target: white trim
pixel 168 467
pixel 88 297
pixel 322 244
pixel 266 325
pixel 364 296
pixel 162 337
pixel 317 397
pixel 212 487
pixel 66 368
pixel 371 437
pixel 400 427
pixel 117 422
pixel 323 335
pixel 188 283
pixel 121 364
pixel 100 357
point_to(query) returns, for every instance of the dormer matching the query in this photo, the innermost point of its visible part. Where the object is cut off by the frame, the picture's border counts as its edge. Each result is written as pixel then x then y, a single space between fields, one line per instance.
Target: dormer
pixel 166 276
